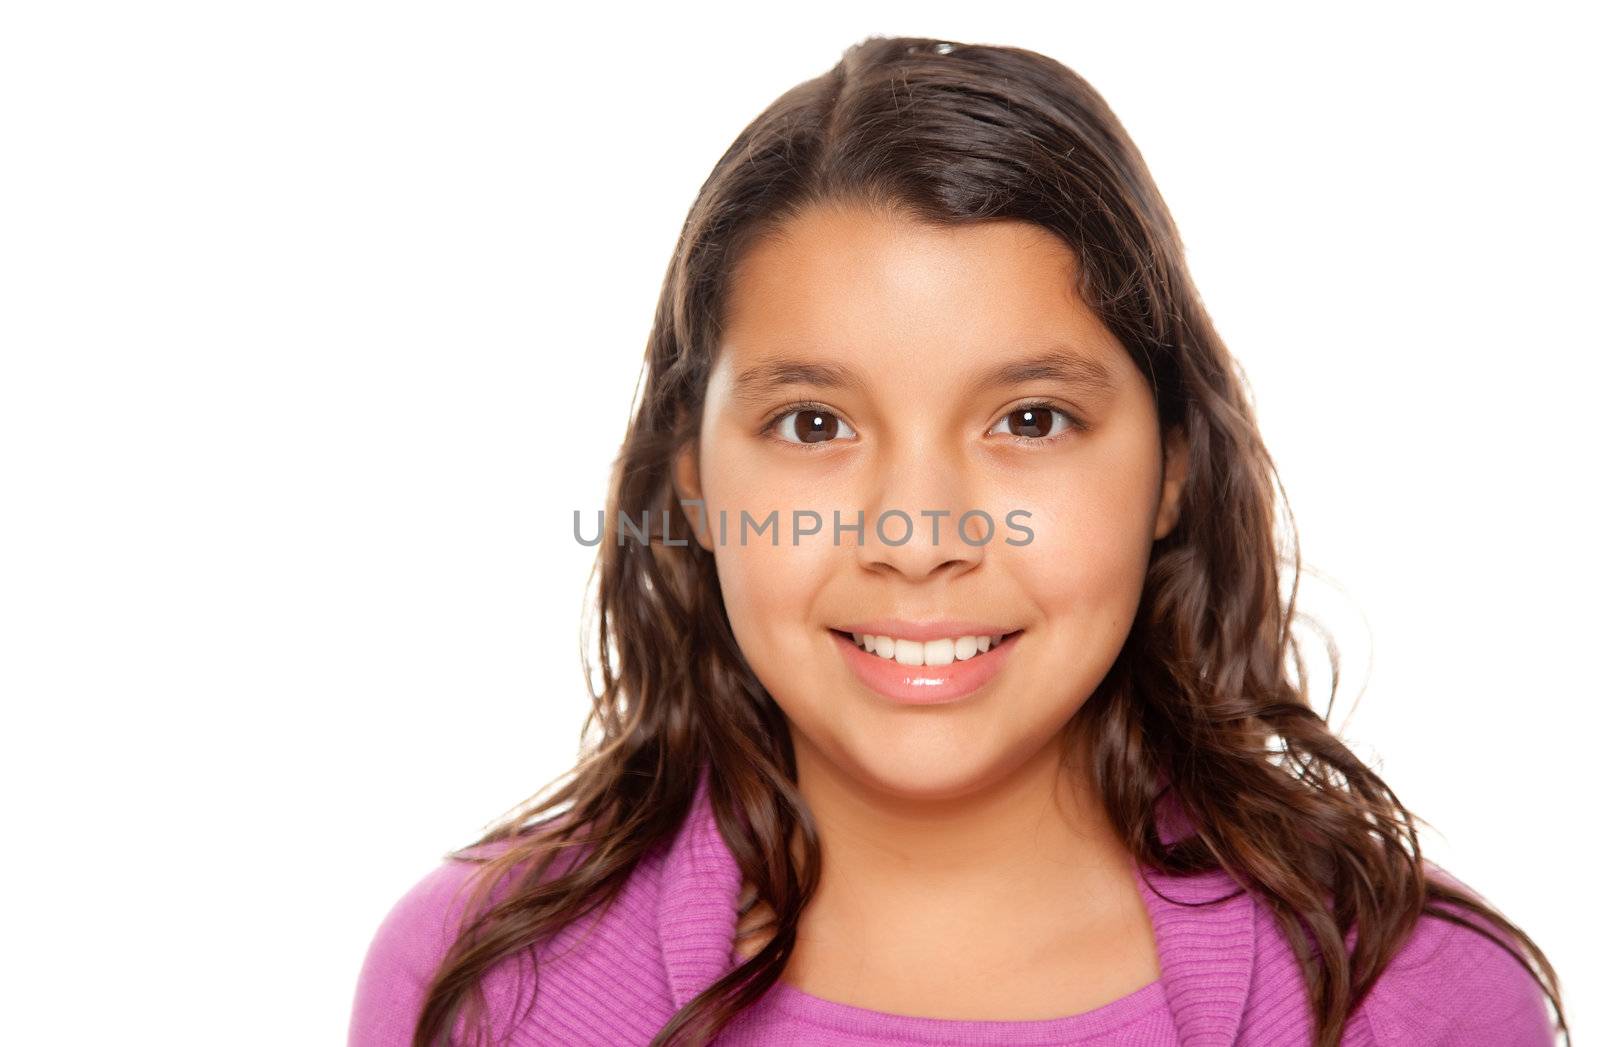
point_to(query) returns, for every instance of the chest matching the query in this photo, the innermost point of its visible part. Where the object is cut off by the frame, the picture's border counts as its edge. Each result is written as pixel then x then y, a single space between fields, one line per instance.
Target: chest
pixel 1062 966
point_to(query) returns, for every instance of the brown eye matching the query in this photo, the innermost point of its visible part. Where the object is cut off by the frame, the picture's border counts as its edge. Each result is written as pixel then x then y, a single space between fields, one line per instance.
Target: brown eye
pixel 810 425
pixel 1035 423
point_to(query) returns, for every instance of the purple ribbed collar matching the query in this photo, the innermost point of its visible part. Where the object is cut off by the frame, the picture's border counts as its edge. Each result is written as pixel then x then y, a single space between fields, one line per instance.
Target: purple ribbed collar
pixel 1205 926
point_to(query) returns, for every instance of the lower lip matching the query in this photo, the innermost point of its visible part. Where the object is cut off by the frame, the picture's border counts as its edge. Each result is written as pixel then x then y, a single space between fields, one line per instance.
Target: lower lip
pixel 924 684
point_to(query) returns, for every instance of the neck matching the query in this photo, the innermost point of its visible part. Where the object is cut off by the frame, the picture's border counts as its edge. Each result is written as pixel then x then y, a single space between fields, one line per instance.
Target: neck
pixel 997 850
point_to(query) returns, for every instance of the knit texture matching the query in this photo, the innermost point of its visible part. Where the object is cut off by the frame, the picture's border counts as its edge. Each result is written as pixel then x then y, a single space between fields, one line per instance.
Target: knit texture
pixel 1228 976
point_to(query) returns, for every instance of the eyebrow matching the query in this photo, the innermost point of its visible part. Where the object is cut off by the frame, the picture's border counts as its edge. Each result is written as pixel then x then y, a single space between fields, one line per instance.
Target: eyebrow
pixel 1062 363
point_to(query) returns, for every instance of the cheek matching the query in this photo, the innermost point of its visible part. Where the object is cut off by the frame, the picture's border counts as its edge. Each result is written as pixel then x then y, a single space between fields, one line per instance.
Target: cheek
pixel 1085 566
pixel 1093 544
pixel 766 588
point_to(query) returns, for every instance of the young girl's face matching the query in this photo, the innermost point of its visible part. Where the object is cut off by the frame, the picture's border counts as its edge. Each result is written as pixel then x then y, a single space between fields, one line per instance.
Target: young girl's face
pixel 912 319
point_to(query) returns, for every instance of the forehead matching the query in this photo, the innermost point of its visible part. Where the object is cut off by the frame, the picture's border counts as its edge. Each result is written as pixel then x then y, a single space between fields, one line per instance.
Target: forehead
pixel 850 284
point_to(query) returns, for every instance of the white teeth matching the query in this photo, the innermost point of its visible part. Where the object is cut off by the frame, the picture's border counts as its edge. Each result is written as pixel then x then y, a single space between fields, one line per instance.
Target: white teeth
pixel 933 652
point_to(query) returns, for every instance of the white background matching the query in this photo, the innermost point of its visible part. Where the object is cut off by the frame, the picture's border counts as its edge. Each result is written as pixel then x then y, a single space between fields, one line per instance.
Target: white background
pixel 319 319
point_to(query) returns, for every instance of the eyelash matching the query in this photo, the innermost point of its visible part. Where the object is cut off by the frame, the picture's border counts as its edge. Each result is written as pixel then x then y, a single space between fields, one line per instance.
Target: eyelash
pixel 1074 424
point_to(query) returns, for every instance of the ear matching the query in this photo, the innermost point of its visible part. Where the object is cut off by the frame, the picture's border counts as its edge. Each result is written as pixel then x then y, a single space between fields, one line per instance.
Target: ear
pixel 686 485
pixel 1175 473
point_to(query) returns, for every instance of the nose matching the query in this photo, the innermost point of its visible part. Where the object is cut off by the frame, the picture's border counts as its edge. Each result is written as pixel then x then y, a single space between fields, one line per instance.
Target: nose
pixel 920 556
pixel 911 527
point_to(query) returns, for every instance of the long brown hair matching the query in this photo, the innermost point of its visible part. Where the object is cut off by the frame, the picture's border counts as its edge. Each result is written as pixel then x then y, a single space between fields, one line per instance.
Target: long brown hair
pixel 1200 703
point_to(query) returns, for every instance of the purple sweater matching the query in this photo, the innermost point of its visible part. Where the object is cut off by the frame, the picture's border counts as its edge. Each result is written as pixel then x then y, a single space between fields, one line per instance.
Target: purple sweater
pixel 1228 976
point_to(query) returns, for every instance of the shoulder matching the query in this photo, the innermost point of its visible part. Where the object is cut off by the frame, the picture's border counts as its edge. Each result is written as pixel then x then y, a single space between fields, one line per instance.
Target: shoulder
pixel 406 950
pixel 561 990
pixel 1451 985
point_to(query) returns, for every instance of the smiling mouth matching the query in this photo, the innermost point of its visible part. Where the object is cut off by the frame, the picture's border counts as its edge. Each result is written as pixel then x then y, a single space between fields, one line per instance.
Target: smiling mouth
pixel 932 652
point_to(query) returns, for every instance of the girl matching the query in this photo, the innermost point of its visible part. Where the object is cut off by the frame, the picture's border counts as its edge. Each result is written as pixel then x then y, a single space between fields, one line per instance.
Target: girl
pixel 946 674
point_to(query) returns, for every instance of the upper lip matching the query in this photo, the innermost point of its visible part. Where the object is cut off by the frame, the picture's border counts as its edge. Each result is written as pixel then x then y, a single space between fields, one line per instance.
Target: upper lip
pixel 925 631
